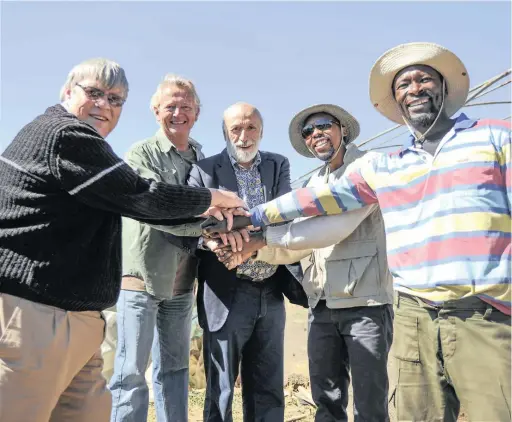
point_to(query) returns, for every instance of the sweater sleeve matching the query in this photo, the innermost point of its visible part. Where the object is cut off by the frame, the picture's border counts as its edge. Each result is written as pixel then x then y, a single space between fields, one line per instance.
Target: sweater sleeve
pixel 88 169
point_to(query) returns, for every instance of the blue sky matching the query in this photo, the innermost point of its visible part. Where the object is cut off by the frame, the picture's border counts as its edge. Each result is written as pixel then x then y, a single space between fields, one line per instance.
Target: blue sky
pixel 279 56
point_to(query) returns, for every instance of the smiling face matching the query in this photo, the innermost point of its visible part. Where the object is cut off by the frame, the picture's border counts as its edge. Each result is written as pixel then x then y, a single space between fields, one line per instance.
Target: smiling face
pixel 324 142
pixel 243 131
pixel 97 112
pixel 418 90
pixel 177 112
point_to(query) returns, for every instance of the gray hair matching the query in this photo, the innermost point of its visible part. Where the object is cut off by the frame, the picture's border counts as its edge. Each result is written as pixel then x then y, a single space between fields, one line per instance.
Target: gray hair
pixel 174 80
pixel 107 72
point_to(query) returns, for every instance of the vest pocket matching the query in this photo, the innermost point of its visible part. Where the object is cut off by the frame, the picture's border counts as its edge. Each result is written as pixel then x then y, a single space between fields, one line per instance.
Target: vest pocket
pixel 352 270
pixel 311 280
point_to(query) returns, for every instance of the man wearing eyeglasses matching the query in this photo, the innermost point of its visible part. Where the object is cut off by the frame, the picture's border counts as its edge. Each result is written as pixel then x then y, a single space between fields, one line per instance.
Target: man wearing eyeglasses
pixel 62 194
pixel 346 276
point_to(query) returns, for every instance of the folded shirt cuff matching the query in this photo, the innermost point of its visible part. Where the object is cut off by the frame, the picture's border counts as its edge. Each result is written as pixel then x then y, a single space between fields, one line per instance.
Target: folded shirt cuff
pixel 277 236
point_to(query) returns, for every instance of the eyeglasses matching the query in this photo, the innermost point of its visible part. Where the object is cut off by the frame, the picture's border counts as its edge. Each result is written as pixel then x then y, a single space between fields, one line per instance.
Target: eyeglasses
pixel 95 94
pixel 320 124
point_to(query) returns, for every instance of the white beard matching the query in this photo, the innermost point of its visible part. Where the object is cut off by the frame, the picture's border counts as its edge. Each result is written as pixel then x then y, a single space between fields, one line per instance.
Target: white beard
pixel 239 154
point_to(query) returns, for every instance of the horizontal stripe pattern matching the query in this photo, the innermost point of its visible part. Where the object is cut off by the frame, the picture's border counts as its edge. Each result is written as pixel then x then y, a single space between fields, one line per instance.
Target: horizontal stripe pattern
pixel 455 248
pixel 447 217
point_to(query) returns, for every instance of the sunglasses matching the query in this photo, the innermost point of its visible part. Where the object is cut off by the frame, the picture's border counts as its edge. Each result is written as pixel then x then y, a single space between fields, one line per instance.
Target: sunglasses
pixel 95 94
pixel 320 124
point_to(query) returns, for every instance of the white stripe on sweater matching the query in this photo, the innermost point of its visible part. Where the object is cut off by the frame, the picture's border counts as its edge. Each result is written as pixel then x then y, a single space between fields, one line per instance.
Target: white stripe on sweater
pixel 95 178
pixel 19 168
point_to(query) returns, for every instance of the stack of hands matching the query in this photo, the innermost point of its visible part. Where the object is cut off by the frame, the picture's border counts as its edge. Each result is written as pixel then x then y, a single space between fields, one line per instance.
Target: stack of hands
pixel 228 232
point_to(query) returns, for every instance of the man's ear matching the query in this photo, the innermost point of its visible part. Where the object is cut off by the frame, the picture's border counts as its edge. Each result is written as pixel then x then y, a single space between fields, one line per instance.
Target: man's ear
pixel 67 94
pixel 156 112
pixel 344 135
pixel 225 131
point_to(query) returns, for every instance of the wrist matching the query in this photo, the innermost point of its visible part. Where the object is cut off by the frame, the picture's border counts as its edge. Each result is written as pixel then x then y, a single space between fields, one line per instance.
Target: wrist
pixel 215 197
pixel 264 236
pixel 256 243
pixel 258 240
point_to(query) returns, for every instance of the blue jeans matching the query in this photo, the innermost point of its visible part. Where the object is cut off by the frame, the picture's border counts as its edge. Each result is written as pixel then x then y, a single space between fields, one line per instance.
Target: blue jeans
pixel 147 325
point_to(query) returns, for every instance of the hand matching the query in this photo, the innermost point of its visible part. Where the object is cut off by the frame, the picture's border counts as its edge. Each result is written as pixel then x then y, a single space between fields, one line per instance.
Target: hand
pixel 255 243
pixel 215 245
pixel 236 239
pixel 226 199
pixel 214 225
pixel 224 219
pixel 236 259
pixel 229 213
pixel 233 241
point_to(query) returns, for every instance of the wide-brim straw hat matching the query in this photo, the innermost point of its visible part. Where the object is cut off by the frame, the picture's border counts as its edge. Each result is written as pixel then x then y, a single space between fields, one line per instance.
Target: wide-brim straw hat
pixel 438 57
pixel 348 121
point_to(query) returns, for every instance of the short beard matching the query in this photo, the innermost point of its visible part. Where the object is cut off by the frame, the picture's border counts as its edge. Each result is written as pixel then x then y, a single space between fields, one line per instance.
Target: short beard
pixel 239 155
pixel 325 156
pixel 424 120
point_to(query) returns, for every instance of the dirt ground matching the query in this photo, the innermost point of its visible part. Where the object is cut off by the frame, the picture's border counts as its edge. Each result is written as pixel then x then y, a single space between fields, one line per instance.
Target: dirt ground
pixel 296 376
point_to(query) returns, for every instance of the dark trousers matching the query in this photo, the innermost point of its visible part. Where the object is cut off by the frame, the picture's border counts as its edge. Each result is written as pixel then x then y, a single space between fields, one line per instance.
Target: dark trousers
pixel 356 339
pixel 253 336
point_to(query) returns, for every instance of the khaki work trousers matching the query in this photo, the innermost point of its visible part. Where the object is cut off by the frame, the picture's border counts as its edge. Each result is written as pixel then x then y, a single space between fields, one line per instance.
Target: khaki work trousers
pixel 50 364
pixel 452 355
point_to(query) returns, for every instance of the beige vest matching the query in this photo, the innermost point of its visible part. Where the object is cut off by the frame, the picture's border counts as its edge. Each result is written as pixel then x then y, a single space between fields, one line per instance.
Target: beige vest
pixel 355 271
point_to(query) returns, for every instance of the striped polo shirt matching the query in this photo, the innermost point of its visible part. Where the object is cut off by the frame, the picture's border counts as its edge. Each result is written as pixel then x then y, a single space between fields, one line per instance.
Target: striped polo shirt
pixel 447 217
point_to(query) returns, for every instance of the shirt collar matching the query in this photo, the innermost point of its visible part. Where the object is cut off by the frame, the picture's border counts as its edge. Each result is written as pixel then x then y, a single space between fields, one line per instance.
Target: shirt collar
pixel 256 162
pixel 165 145
pixel 462 122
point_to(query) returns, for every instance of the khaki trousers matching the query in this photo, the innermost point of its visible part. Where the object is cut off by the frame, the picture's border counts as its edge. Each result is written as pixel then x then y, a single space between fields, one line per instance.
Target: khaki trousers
pixel 456 354
pixel 50 364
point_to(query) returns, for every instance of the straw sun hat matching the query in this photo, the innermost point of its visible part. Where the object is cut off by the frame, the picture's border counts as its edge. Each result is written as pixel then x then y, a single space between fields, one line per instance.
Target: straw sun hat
pixel 344 117
pixel 393 61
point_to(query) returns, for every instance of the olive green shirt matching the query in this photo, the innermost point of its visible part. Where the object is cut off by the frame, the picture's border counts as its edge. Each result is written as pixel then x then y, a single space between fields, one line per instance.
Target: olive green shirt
pixel 147 254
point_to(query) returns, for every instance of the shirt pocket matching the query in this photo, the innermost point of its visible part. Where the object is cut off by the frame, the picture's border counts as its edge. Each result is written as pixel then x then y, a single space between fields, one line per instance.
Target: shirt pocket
pixel 169 175
pixel 352 270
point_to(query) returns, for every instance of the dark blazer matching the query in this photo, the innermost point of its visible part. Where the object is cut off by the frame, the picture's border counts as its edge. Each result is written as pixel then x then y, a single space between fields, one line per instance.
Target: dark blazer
pixel 217 284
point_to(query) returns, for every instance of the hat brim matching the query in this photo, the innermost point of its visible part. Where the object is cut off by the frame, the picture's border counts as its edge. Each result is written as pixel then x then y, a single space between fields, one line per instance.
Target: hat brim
pixel 393 61
pixel 344 117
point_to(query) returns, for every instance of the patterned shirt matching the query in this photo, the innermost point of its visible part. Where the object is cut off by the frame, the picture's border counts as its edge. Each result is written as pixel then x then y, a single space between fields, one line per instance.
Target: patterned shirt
pixel 250 190
pixel 447 216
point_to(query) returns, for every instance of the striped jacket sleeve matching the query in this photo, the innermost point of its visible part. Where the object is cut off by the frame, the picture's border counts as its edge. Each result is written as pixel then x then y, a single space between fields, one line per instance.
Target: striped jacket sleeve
pixel 502 139
pixel 88 169
pixel 350 192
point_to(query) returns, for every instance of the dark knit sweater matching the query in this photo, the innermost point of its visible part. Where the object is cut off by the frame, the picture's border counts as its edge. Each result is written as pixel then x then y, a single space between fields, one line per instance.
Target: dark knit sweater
pixel 62 194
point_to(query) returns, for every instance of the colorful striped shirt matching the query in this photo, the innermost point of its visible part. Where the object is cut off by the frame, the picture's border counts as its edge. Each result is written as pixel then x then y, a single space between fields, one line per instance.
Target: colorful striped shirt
pixel 447 217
